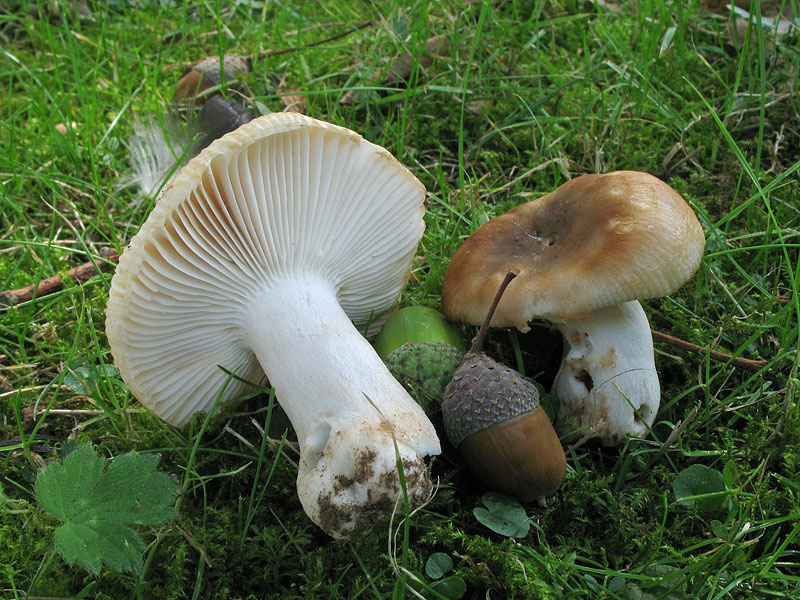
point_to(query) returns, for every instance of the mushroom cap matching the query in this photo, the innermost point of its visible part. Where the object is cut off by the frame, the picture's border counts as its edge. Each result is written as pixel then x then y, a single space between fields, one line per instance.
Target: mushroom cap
pixel 282 195
pixel 596 241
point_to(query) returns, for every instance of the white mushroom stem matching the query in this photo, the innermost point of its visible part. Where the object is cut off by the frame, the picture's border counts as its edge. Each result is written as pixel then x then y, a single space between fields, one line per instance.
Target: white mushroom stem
pixel 607 383
pixel 346 407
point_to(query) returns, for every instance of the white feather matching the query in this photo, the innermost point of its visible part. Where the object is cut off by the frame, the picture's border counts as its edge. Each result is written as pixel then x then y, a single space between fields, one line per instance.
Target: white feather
pixel 159 146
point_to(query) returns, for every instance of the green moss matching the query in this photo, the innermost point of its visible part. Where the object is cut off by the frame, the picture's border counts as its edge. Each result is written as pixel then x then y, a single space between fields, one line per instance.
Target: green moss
pixel 554 90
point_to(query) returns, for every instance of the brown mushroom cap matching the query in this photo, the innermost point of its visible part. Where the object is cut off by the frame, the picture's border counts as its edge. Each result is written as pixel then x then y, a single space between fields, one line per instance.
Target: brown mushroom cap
pixel 596 241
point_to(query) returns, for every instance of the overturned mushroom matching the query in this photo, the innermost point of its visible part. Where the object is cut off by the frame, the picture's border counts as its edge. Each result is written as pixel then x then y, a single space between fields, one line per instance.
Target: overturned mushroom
pixel 257 256
pixel 583 255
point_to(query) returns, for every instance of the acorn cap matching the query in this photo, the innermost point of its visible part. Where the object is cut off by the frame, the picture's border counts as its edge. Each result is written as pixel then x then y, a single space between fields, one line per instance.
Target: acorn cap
pixel 425 369
pixel 209 72
pixel 596 241
pixel 484 392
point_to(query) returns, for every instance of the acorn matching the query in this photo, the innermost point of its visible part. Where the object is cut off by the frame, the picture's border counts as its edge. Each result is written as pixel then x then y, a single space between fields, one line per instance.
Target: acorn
pixel 198 115
pixel 218 114
pixel 208 73
pixel 493 415
pixel 422 349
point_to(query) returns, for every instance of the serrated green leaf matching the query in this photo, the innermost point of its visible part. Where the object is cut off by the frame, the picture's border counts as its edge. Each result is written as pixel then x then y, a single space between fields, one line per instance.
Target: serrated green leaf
pixel 503 515
pixel 98 499
pixel 132 491
pixel 98 541
pixel 63 488
pixel 83 377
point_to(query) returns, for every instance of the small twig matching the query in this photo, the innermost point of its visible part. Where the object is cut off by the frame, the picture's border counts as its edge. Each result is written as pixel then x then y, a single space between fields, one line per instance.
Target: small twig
pixel 736 361
pixel 283 444
pixel 587 435
pixel 34 388
pixel 477 341
pixel 74 412
pixel 194 544
pixel 267 53
pixel 240 437
pixel 55 284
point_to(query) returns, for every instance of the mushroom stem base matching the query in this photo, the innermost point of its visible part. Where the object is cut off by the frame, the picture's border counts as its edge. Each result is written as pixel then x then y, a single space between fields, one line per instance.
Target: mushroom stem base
pixel 353 420
pixel 607 382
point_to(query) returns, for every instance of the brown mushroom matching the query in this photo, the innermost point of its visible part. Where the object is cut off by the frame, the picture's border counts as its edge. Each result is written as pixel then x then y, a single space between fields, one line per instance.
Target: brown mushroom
pixel 583 255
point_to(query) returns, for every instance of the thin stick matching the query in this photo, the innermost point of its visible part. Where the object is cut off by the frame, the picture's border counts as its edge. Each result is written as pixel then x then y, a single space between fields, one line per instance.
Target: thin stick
pixel 55 284
pixel 267 53
pixel 83 412
pixel 477 341
pixel 736 361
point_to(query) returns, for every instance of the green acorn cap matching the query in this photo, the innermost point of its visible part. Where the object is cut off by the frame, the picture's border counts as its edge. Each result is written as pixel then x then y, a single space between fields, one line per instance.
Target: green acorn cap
pixel 415 325
pixel 425 367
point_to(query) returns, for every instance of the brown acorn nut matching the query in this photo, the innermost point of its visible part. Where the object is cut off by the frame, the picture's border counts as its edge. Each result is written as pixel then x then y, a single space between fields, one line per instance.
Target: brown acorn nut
pixel 218 116
pixel 208 73
pixel 493 416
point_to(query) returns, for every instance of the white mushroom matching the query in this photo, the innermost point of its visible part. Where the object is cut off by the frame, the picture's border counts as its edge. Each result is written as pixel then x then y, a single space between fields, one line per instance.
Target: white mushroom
pixel 260 255
pixel 583 254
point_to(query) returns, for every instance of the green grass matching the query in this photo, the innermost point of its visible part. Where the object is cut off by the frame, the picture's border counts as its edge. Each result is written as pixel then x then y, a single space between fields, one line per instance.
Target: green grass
pixel 526 94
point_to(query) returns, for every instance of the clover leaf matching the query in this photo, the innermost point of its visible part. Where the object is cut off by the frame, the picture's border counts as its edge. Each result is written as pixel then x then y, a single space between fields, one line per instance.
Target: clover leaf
pixel 437 565
pixel 503 515
pixel 97 499
pixel 705 483
pixel 451 587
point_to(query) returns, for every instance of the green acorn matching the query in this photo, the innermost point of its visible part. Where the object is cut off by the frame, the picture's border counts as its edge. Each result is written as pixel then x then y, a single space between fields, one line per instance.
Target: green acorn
pixel 422 350
pixel 492 414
